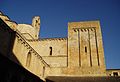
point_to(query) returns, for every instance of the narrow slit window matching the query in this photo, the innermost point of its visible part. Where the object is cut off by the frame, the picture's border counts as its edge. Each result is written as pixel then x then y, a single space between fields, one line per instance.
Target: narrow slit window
pixel 85 49
pixel 50 50
pixel 36 21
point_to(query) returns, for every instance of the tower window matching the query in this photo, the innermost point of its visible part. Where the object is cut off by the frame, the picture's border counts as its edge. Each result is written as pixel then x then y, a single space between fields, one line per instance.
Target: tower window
pixel 50 50
pixel 85 49
pixel 36 21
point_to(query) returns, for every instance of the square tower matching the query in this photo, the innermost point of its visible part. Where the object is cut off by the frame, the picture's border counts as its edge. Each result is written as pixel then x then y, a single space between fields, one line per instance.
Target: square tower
pixel 85 47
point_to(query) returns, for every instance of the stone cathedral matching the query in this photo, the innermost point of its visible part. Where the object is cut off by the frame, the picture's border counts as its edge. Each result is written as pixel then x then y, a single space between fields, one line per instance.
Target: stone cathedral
pixel 80 54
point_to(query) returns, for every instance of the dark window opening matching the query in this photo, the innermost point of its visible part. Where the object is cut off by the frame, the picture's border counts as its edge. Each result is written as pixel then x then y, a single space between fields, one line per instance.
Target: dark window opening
pixel 36 21
pixel 43 70
pixel 115 73
pixel 82 30
pixel 28 59
pixel 109 74
pixel 50 50
pixel 74 30
pixel 85 49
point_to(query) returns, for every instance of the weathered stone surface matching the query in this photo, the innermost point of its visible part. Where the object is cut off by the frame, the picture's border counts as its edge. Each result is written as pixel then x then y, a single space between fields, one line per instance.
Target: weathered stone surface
pixel 80 54
pixel 85 48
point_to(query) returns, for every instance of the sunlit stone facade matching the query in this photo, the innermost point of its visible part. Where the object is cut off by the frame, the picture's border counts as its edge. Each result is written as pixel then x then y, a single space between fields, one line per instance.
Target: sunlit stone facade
pixel 81 53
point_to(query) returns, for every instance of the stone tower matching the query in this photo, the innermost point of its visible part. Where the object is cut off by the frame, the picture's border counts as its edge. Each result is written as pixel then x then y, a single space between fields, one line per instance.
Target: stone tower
pixel 85 48
pixel 36 25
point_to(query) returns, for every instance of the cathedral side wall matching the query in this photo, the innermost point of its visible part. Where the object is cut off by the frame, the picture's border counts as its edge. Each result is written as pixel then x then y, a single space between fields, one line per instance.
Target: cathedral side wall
pixel 53 51
pixel 27 30
pixel 28 58
pixel 16 49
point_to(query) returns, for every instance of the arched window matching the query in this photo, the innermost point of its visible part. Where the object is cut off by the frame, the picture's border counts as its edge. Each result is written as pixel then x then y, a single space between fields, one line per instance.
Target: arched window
pixel 43 70
pixel 50 50
pixel 28 59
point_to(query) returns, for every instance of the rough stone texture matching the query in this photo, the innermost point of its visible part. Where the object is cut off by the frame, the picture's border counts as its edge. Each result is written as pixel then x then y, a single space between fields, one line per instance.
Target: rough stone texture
pixel 81 54
pixel 87 35
pixel 55 55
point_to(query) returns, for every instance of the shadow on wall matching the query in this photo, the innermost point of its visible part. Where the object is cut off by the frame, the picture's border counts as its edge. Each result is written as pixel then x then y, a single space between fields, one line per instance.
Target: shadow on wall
pixel 10 71
pixel 7 38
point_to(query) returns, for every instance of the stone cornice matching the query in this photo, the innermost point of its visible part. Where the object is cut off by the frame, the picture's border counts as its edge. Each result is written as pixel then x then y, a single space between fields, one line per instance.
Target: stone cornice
pixel 47 39
pixel 23 41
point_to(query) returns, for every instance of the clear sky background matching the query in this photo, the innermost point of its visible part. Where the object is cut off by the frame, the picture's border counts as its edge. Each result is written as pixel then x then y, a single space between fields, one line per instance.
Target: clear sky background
pixel 55 15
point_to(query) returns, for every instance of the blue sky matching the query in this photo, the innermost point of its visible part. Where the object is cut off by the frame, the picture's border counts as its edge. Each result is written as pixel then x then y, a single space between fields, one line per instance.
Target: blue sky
pixel 55 15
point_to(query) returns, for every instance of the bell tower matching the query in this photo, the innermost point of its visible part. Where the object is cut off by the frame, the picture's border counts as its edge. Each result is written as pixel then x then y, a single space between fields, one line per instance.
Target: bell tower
pixel 36 25
pixel 85 47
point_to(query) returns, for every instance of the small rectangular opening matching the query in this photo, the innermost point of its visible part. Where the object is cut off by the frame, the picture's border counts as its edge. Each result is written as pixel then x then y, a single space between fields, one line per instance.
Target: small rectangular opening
pixel 85 49
pixel 50 50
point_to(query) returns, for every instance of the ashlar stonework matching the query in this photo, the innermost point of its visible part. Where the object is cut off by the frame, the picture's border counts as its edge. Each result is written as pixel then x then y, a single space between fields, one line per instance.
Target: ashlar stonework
pixel 79 54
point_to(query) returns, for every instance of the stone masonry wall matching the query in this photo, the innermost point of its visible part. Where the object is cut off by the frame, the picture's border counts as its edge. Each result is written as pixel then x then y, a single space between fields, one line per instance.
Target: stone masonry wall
pixel 53 51
pixel 81 54
pixel 85 48
pixel 28 57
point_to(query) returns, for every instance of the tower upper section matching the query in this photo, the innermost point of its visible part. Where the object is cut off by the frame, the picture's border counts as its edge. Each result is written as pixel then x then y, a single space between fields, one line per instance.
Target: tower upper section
pixel 36 25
